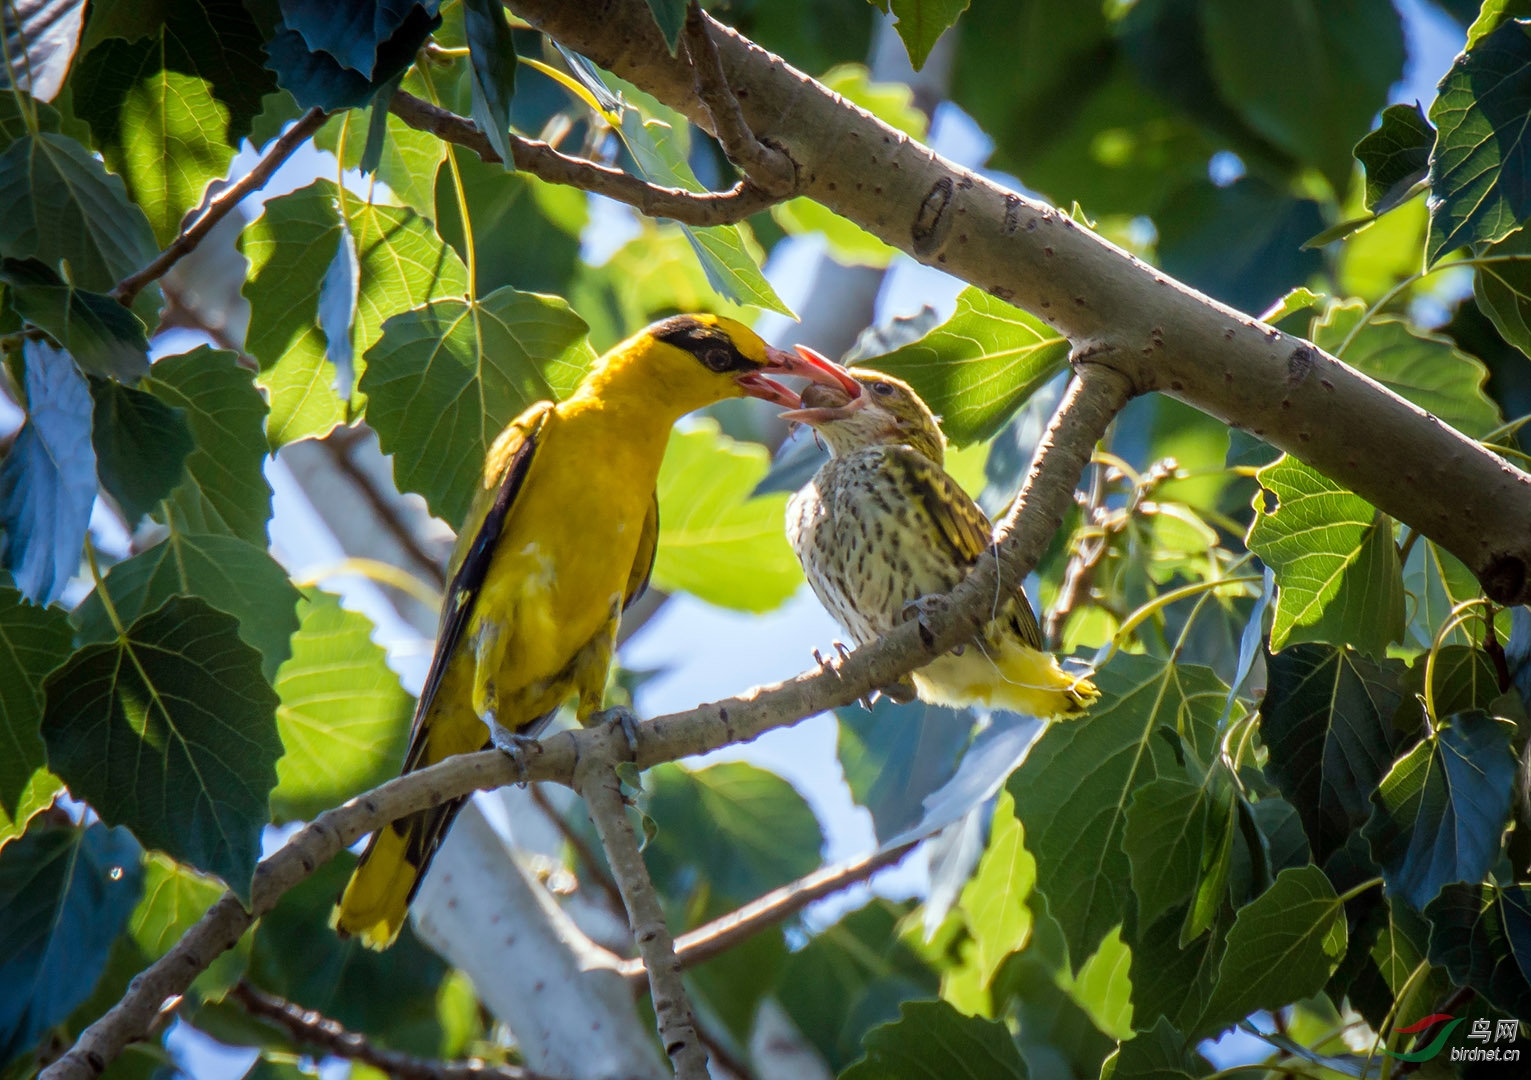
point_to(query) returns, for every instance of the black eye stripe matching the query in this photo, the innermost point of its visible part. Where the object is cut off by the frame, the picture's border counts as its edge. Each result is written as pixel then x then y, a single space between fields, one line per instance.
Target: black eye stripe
pixel 709 344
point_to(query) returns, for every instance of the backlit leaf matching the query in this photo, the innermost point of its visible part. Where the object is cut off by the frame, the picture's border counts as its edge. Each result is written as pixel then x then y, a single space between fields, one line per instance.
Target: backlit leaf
pixel 994 899
pixel 922 22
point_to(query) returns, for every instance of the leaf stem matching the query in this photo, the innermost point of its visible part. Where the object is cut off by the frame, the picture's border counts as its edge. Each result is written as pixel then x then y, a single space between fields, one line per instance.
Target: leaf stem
pixel 106 598
pixel 469 250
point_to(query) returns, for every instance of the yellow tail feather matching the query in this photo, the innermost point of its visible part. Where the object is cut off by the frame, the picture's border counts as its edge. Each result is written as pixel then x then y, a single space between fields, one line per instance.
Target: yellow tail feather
pixel 1018 678
pixel 377 897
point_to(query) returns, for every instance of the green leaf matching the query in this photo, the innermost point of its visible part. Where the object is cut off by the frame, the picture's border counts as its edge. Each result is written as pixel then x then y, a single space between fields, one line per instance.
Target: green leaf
pixel 978 367
pixel 1172 980
pixel 723 250
pixel 922 22
pixel 1442 810
pixel 1327 718
pixel 715 541
pixel 1424 368
pixel 894 755
pixel 225 489
pixel 1396 156
pixel 444 379
pixel 290 248
pixel 738 830
pixel 1073 791
pixel 1503 289
pixel 1282 947
pixel 174 898
pixel 33 641
pixel 1335 561
pixel 64 205
pixel 66 892
pixel 343 717
pixel 1160 1053
pixel 169 731
pixel 671 17
pixel 1480 185
pixel 104 337
pixel 930 1038
pixel 15 105
pixel 1163 842
pixel 141 446
pixel 848 242
pixel 1317 95
pixel 891 102
pixel 410 158
pixel 493 61
pixel 1491 15
pixel 994 899
pixel 1481 934
pixel 232 575
pixel 390 995
pixel 328 58
pixel 1214 863
pixel 1437 581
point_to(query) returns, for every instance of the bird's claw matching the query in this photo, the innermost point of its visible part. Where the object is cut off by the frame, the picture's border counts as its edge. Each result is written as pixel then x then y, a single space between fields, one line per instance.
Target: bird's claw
pixel 513 745
pixel 920 609
pixel 625 719
pixel 842 648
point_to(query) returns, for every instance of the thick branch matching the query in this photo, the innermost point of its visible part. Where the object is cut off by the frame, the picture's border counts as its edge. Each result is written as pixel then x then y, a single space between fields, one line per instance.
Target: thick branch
pixel 717 937
pixel 317 1032
pixel 769 168
pixel 1161 334
pixel 1087 407
pixel 541 160
pixel 595 778
pixel 128 288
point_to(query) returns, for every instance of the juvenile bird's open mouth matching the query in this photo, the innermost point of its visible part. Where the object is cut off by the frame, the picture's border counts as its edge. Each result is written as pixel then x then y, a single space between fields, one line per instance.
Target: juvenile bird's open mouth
pixel 824 404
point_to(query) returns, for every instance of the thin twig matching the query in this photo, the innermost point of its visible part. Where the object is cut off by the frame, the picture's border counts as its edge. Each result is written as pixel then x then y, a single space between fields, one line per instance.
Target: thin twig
pixel 702 944
pixel 770 169
pixel 129 287
pixel 595 778
pixel 315 1031
pixel 1087 407
pixel 594 868
pixel 541 160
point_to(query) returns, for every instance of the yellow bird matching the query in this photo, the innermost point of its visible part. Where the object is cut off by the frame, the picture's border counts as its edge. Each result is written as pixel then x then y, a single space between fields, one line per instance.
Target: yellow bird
pixel 882 529
pixel 560 539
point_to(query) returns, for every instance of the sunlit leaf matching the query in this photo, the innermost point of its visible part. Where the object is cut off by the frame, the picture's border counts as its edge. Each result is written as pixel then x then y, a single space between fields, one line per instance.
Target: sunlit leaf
pixel 994 900
pixel 716 541
pixel 174 898
pixel 922 22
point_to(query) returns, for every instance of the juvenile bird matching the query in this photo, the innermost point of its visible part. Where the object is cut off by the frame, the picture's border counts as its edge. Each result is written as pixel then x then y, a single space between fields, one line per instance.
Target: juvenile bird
pixel 882 528
pixel 559 540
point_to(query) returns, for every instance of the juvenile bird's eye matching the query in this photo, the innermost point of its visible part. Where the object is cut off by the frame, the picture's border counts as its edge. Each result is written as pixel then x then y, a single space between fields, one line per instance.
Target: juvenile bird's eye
pixel 718 359
pixel 885 389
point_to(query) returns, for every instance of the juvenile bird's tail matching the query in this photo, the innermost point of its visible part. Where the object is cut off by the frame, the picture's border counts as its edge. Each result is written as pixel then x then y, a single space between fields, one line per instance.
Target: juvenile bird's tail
pixel 1006 675
pixel 386 879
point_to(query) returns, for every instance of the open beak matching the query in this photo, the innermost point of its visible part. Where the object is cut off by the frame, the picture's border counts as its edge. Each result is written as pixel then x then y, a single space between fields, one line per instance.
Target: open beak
pixel 813 366
pixel 757 385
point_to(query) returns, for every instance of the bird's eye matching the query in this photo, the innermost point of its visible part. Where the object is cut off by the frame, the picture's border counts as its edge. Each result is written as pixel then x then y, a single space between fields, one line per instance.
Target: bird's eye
pixel 718 359
pixel 885 389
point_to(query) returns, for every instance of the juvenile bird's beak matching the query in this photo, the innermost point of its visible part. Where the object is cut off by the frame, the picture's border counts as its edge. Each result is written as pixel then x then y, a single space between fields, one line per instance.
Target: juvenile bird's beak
pixel 825 404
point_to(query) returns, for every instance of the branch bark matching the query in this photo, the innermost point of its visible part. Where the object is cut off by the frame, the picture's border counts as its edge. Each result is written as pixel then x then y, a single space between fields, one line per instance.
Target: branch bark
pixel 1088 406
pixel 541 160
pixel 595 778
pixel 1159 334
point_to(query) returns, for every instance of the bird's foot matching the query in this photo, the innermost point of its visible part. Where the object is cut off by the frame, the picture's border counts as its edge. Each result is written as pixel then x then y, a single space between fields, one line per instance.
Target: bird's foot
pixel 625 719
pixel 922 609
pixel 512 744
pixel 845 651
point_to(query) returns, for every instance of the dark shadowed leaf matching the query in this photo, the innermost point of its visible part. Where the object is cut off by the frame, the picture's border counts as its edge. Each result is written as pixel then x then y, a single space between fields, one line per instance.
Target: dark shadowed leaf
pixel 141 445
pixel 48 476
pixel 1480 173
pixel 1160 1053
pixel 1282 947
pixel 327 75
pixel 978 367
pixel 170 731
pixel 1170 980
pixel 225 489
pixel 343 717
pixel 33 641
pixel 104 337
pixel 895 755
pixel 1074 789
pixel 1440 813
pixel 66 892
pixel 15 108
pixel 930 1038
pixel 231 574
pixel 671 17
pixel 1503 288
pixel 922 22
pixel 1163 842
pixel 1481 934
pixel 445 378
pixel 1396 156
pixel 493 60
pixel 1328 720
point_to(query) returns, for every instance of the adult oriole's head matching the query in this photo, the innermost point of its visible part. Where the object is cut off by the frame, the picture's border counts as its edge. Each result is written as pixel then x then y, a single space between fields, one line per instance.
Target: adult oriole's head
pixel 688 361
pixel 886 412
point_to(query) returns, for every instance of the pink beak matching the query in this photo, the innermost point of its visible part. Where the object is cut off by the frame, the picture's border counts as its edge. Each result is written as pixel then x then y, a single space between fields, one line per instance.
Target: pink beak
pixel 811 365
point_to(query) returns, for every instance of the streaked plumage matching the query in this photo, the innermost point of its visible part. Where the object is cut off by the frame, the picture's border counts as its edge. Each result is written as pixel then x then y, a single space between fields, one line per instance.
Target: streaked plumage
pixel 560 538
pixel 882 525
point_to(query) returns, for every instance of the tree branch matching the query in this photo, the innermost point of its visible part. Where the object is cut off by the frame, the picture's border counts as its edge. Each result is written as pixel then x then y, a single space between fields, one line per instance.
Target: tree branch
pixel 769 168
pixel 541 160
pixel 717 937
pixel 317 1032
pixel 595 778
pixel 1160 334
pixel 1088 405
pixel 127 290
